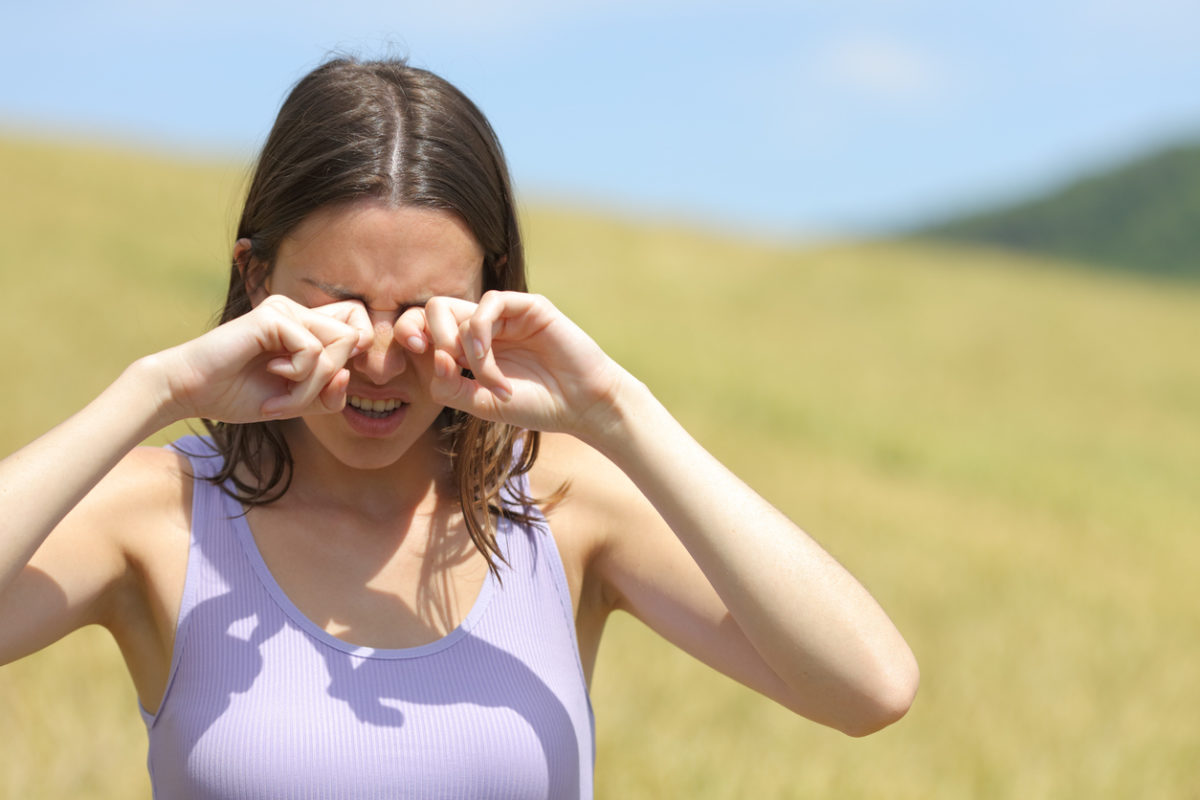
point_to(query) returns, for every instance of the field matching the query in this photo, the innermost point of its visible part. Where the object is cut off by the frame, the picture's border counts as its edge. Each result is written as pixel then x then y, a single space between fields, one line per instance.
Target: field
pixel 1006 451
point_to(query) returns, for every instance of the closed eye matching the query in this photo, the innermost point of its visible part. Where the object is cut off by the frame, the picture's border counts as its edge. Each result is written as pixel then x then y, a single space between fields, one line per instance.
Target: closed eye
pixel 337 294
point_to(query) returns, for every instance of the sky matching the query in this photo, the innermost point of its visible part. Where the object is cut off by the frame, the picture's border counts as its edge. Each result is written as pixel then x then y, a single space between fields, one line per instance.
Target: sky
pixel 795 119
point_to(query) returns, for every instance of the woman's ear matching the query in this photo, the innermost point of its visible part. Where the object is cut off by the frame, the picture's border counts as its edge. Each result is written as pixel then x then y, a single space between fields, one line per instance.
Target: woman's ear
pixel 255 277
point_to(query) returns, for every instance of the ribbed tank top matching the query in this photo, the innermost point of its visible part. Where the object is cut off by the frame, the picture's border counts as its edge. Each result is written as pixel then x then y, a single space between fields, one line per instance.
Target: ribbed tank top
pixel 263 703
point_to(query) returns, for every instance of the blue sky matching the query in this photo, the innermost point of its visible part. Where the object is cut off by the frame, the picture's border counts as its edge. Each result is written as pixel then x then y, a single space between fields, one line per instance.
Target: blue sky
pixel 794 118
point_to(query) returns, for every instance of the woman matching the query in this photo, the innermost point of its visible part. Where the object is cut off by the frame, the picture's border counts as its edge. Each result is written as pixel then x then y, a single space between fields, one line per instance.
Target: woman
pixel 385 571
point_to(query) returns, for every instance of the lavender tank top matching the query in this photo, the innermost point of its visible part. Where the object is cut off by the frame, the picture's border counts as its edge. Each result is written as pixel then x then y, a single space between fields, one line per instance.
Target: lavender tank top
pixel 263 703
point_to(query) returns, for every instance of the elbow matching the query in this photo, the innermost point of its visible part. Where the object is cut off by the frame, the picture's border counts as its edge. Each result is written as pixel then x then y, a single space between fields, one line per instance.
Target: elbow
pixel 882 713
pixel 887 701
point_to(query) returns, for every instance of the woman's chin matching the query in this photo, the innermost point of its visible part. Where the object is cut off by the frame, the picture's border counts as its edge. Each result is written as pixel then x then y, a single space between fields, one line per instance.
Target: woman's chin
pixel 372 442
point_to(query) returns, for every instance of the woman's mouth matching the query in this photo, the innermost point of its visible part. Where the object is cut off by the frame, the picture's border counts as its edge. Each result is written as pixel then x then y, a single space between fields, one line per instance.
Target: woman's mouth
pixel 375 409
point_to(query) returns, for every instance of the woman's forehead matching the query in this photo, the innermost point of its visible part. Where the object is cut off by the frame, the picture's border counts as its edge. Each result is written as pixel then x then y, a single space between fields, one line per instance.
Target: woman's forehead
pixel 381 255
pixel 371 224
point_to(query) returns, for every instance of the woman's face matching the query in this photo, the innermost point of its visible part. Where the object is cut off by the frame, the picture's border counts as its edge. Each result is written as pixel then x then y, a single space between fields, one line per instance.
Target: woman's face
pixel 389 259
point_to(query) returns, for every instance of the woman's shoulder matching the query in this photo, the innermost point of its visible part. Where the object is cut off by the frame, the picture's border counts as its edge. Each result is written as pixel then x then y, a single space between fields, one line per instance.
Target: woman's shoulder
pixel 590 479
pixel 150 473
pixel 148 488
pixel 593 501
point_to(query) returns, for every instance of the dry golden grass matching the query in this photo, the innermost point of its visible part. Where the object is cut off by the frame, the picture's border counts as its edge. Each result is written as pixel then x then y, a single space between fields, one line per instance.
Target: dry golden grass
pixel 1004 450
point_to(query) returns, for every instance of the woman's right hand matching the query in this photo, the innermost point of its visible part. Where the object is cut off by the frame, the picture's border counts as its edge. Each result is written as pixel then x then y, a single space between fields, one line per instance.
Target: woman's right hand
pixel 281 359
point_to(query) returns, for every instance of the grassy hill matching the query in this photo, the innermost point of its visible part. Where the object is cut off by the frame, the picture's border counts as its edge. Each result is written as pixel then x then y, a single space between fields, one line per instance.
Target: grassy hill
pixel 1142 216
pixel 1003 448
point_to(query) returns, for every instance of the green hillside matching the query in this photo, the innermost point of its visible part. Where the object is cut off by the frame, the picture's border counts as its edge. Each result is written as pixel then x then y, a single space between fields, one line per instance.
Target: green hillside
pixel 1003 448
pixel 1143 216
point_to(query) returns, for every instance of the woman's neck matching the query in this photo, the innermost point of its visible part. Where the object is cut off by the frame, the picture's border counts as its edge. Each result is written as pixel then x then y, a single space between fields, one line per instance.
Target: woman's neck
pixel 420 482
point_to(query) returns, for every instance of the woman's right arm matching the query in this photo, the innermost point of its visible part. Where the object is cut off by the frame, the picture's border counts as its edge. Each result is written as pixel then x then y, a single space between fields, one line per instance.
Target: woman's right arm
pixel 80 560
pixel 279 360
pixel 42 482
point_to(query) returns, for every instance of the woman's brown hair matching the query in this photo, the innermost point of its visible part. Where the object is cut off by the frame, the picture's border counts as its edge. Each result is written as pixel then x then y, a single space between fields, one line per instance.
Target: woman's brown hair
pixel 383 130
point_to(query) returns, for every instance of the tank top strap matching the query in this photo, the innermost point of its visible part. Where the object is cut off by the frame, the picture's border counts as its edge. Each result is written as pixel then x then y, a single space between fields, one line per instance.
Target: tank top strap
pixel 530 547
pixel 523 541
pixel 212 548
pixel 214 513
pixel 200 451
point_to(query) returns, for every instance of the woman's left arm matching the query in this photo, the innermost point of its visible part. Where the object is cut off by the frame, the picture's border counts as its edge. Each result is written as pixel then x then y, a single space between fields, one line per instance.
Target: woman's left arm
pixel 798 627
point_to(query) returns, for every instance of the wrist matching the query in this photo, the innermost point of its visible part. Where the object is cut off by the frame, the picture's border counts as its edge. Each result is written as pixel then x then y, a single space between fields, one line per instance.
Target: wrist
pixel 632 408
pixel 147 382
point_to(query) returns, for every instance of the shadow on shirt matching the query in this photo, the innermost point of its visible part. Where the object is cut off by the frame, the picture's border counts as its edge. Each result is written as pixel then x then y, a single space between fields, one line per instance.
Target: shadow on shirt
pixel 258 706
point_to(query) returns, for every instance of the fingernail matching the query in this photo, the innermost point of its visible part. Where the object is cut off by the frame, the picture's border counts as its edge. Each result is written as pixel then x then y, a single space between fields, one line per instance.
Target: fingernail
pixel 416 344
pixel 477 348
pixel 504 394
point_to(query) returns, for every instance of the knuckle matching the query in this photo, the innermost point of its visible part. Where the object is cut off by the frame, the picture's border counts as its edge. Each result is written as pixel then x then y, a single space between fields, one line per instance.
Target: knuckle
pixel 325 369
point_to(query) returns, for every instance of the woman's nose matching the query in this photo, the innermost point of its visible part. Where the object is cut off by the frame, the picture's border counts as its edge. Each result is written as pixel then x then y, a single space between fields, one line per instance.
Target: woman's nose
pixel 385 358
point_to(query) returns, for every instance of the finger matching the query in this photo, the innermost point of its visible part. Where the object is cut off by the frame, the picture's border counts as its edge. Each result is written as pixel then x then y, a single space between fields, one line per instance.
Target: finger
pixel 499 311
pixel 477 333
pixel 313 392
pixel 482 364
pixel 302 333
pixel 456 391
pixel 411 330
pixel 443 316
pixel 444 364
pixel 342 329
pixel 353 314
pixel 281 366
pixel 300 347
pixel 316 348
pixel 333 396
pixel 481 323
pixel 345 322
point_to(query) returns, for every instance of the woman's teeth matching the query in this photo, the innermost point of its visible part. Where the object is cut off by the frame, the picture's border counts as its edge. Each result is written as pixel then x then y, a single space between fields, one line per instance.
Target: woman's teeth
pixel 374 407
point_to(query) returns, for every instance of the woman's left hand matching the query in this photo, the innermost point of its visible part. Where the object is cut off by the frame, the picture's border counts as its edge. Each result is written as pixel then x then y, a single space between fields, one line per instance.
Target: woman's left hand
pixel 530 365
pixel 689 549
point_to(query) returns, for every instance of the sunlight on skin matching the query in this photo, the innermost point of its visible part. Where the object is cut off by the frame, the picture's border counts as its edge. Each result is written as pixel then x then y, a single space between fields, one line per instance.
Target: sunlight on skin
pixel 891 400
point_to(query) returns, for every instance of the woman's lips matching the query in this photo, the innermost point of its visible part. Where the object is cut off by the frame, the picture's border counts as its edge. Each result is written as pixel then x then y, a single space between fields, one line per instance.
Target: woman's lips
pixel 373 408
pixel 374 417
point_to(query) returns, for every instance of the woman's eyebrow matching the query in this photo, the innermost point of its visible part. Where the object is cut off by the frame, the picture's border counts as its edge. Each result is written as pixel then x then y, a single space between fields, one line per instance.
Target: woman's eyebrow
pixel 342 293
pixel 334 291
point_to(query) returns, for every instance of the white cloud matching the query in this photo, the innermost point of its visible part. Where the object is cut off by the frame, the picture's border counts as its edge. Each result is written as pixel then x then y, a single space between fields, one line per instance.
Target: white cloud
pixel 882 67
